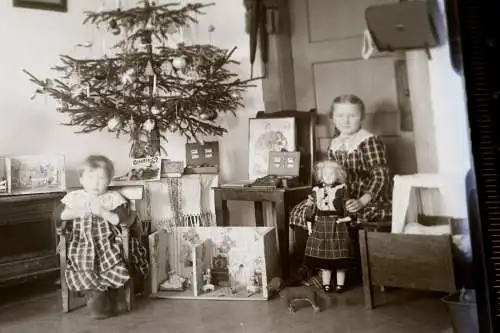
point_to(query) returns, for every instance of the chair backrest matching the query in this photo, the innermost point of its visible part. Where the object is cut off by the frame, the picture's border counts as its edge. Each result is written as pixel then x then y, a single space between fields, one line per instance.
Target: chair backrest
pixel 305 127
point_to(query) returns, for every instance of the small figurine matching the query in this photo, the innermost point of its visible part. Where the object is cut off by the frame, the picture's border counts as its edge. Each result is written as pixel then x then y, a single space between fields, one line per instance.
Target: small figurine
pixel 207 280
pixel 302 293
pixel 253 284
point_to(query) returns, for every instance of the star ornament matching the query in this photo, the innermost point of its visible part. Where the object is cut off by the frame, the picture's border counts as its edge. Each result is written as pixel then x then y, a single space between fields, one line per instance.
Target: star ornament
pixel 127 77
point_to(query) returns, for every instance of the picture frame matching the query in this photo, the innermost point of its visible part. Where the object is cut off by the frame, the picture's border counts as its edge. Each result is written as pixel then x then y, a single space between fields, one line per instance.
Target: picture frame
pixel 52 5
pixel 30 174
pixel 171 168
pixel 266 135
pixel 141 170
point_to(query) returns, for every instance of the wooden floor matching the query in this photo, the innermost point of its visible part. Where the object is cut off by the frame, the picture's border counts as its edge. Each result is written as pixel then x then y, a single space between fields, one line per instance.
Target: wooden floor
pixel 39 311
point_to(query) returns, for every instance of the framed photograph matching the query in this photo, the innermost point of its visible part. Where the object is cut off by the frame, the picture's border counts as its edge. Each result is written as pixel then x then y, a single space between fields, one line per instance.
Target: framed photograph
pixel 266 135
pixel 171 168
pixel 54 5
pixel 28 174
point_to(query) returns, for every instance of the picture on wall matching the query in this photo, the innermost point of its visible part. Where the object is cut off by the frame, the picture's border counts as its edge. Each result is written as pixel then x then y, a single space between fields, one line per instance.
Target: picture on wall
pixel 35 174
pixel 266 135
pixel 55 5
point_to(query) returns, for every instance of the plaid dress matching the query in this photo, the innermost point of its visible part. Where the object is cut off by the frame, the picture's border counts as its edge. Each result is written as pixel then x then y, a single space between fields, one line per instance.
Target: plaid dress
pixel 364 159
pixel 329 240
pixel 94 252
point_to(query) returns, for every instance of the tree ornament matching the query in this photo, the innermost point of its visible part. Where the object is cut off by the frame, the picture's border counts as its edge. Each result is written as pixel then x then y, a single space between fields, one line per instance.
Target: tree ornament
pixel 209 115
pixel 172 127
pixel 179 62
pixel 128 76
pixel 148 71
pixel 148 125
pixel 167 68
pixel 101 75
pixel 155 111
pixel 172 29
pixel 113 24
pixel 146 38
pixel 113 124
pixel 116 31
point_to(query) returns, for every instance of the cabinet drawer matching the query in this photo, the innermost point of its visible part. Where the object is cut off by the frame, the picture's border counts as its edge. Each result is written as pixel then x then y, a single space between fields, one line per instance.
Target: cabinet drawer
pixel 29 266
pixel 22 212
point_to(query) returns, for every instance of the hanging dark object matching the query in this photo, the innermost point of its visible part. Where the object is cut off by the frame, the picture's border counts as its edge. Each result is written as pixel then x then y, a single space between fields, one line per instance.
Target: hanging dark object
pixel 261 20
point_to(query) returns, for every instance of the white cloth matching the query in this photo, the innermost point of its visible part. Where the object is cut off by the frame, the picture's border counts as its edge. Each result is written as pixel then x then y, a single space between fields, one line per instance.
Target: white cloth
pixel 194 196
pixel 80 199
pixel 369 47
pixel 349 143
pixel 406 204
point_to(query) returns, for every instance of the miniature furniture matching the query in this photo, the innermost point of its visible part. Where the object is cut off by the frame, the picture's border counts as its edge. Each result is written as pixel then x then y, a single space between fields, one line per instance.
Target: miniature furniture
pixel 423 262
pixel 22 255
pixel 72 300
pixel 214 263
pixel 425 243
pixel 283 199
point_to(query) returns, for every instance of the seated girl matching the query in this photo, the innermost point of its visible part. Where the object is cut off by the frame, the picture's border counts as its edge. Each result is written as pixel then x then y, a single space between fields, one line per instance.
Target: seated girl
pixel 363 156
pixel 94 254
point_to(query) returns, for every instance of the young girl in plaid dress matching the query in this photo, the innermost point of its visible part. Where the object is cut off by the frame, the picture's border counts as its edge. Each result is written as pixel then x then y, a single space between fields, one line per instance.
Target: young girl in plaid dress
pixel 363 157
pixel 329 240
pixel 94 254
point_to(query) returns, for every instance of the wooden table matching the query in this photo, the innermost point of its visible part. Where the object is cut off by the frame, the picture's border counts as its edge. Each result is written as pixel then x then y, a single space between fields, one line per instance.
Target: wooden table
pixel 282 200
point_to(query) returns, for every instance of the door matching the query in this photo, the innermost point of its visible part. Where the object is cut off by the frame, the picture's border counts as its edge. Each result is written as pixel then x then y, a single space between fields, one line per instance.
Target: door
pixel 326 48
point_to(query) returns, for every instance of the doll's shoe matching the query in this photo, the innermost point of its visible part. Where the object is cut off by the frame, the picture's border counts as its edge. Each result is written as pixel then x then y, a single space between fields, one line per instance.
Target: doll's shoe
pixel 339 289
pixel 327 288
pixel 99 305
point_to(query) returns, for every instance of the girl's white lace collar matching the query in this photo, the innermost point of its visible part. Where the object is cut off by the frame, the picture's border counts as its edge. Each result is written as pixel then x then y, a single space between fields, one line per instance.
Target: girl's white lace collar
pixel 351 142
pixel 80 199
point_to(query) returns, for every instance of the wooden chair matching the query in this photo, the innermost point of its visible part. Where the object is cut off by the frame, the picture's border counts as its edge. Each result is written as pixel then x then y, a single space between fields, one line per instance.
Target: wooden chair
pixel 73 300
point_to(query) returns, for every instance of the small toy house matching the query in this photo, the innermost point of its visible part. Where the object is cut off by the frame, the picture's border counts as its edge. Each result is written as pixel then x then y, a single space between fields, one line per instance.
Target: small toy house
pixel 233 263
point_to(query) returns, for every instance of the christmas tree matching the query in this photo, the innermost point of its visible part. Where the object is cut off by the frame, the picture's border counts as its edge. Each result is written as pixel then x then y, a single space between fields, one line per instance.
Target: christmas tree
pixel 148 86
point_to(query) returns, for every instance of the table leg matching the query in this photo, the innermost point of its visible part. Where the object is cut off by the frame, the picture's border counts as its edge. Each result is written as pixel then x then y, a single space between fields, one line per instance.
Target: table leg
pixel 221 212
pixel 259 214
pixel 283 239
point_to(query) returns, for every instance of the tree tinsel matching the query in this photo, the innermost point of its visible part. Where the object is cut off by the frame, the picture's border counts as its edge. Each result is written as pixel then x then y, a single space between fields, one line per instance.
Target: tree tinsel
pixel 147 87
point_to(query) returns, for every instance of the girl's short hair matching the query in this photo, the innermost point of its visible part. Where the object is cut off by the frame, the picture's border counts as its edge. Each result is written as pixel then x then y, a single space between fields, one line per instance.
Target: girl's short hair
pixel 339 170
pixel 98 162
pixel 349 99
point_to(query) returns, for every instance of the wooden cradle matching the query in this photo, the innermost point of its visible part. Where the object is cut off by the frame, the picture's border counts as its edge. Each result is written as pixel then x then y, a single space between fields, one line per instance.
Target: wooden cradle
pixel 423 262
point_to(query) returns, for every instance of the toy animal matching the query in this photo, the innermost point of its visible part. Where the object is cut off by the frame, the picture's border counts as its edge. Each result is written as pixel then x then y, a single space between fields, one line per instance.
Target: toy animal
pixel 303 293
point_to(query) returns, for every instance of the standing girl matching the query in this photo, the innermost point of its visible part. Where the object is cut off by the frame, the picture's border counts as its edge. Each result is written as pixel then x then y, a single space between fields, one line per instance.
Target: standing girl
pixel 94 254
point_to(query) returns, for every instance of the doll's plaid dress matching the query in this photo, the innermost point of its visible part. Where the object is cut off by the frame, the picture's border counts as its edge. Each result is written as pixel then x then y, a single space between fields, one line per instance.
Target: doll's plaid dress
pixel 367 172
pixel 329 241
pixel 94 253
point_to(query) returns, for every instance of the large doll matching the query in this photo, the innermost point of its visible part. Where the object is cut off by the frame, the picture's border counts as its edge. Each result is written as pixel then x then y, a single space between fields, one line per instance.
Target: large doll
pixel 329 242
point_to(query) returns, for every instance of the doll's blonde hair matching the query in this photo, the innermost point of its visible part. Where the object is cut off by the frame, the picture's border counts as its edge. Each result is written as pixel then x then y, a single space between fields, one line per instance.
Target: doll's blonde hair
pixel 98 162
pixel 339 170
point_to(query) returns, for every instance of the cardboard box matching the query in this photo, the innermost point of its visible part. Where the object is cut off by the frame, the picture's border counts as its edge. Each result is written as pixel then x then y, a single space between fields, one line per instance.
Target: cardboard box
pixel 242 260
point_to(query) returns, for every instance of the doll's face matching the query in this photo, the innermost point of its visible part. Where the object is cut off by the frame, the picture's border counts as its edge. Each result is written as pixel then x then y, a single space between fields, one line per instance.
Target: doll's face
pixel 329 176
pixel 94 180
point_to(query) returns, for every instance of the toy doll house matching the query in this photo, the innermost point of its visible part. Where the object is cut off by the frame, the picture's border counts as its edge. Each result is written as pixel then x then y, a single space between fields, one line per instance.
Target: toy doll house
pixel 213 262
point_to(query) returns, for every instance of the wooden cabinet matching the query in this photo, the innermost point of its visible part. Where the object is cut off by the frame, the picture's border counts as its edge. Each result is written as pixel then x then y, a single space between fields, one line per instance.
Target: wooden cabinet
pixel 28 236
